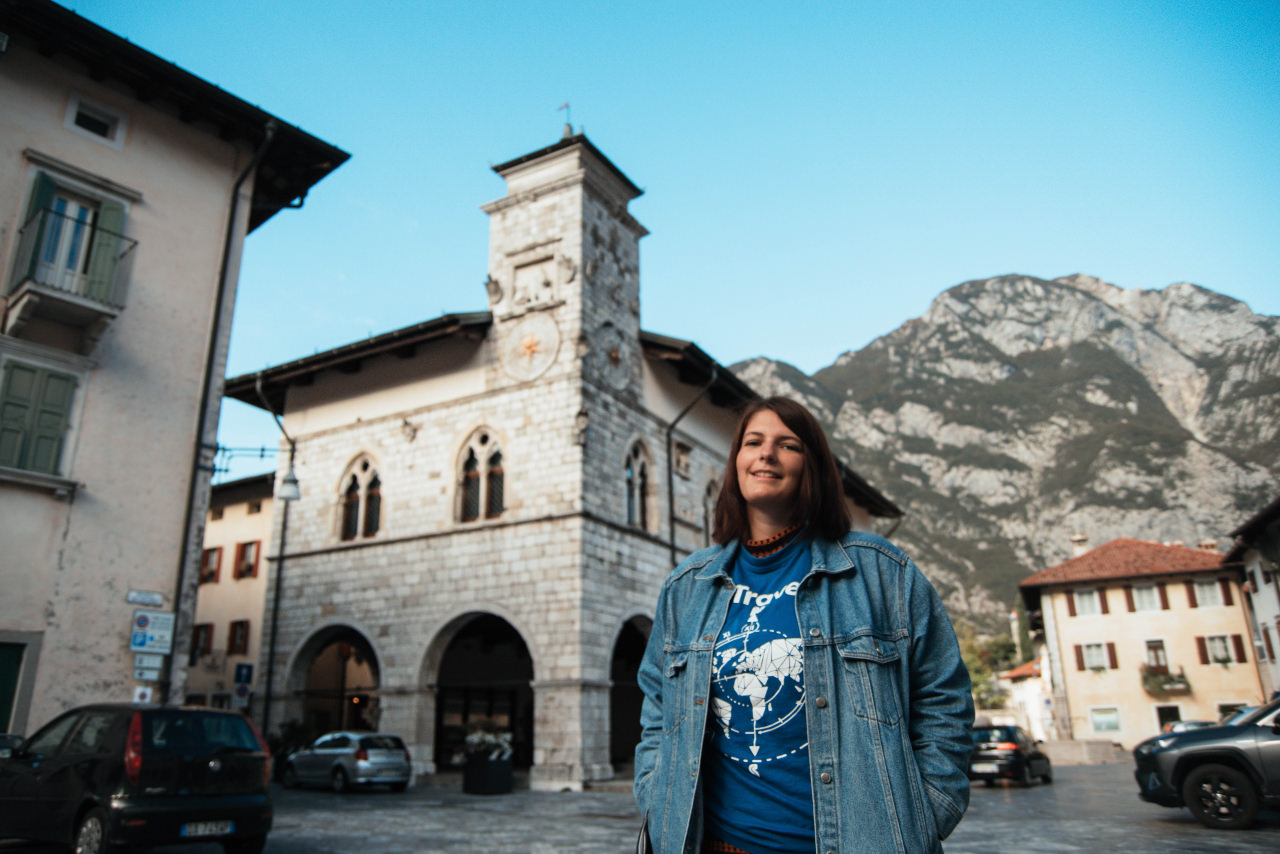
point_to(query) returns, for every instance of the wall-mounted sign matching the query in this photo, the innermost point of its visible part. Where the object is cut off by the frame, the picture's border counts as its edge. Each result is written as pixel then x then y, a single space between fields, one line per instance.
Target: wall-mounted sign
pixel 144 597
pixel 152 631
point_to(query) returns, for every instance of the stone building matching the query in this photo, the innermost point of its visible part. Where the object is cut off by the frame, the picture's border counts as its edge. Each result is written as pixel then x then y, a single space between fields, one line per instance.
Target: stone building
pixel 127 189
pixel 1255 556
pixel 490 501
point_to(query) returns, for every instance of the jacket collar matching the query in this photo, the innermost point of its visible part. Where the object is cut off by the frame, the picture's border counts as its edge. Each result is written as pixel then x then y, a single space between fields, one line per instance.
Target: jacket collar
pixel 826 557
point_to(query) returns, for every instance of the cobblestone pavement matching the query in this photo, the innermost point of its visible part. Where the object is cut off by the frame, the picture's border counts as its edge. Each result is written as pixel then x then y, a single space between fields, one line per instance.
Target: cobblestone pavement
pixel 1087 809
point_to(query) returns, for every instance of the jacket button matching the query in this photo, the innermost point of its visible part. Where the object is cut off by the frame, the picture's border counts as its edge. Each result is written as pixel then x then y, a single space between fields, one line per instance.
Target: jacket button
pixel 825 776
pixel 728 583
pixel 821 702
pixel 698 702
pixel 813 633
pixel 708 637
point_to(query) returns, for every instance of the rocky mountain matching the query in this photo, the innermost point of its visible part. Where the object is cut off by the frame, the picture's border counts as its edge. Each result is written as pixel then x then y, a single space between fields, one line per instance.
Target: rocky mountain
pixel 1019 411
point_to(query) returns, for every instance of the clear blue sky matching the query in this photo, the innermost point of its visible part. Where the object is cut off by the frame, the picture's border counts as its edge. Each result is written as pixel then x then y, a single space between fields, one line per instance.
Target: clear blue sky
pixel 815 173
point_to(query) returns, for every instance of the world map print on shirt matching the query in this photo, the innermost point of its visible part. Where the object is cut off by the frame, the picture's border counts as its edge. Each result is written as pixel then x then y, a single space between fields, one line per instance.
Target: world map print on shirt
pixel 757 703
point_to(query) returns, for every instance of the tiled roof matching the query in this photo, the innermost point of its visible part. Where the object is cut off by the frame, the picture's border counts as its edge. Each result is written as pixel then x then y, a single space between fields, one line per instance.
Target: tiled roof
pixel 1126 558
pixel 1026 670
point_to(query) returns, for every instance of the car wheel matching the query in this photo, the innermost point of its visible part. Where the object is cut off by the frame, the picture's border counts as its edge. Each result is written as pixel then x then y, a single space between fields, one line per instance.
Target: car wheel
pixel 1024 779
pixel 988 782
pixel 399 787
pixel 289 777
pixel 91 833
pixel 1047 776
pixel 338 780
pixel 1220 796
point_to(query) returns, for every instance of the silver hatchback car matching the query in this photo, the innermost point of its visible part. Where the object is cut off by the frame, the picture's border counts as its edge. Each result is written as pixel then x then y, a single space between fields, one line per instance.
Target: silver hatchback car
pixel 341 760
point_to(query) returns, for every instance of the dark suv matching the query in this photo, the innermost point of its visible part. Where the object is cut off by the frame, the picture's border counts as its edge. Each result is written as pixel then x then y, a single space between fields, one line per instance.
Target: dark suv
pixel 104 777
pixel 1223 774
pixel 1007 753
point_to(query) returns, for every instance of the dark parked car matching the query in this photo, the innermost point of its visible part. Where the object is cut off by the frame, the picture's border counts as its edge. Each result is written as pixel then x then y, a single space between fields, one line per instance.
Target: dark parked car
pixel 105 778
pixel 344 759
pixel 8 741
pixel 1007 753
pixel 1223 774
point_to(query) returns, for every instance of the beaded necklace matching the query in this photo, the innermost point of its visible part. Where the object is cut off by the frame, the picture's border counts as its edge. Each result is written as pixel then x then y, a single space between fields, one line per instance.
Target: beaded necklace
pixel 770 545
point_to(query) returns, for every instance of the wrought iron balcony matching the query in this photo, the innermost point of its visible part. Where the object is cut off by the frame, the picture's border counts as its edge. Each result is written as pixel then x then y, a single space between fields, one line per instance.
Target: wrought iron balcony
pixel 1160 682
pixel 69 271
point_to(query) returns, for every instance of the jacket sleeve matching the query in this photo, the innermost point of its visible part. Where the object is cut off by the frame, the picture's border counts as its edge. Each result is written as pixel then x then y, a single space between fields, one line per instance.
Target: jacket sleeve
pixel 648 751
pixel 941 704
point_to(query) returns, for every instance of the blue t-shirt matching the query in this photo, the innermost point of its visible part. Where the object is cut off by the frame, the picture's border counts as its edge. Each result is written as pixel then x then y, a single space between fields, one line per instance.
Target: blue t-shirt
pixel 757 790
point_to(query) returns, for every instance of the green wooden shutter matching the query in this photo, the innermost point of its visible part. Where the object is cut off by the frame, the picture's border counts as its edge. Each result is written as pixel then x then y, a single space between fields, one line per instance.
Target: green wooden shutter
pixel 53 417
pixel 16 395
pixel 42 190
pixel 35 411
pixel 104 250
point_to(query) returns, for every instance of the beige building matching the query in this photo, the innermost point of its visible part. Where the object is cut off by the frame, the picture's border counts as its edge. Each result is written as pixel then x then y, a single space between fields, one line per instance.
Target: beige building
pixel 1255 556
pixel 1140 634
pixel 234 574
pixel 490 501
pixel 127 186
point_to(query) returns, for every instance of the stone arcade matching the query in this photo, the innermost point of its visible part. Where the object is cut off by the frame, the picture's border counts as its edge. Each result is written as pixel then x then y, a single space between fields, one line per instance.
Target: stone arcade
pixel 490 501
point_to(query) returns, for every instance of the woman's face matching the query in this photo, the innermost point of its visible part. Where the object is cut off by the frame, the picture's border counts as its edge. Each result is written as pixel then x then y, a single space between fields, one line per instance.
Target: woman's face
pixel 770 466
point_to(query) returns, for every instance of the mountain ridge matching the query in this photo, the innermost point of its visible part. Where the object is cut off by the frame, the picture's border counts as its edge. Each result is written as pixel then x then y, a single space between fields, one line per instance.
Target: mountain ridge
pixel 1017 411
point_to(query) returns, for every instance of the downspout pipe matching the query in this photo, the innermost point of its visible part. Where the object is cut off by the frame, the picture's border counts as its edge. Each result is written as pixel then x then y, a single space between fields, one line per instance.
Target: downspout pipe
pixel 206 392
pixel 279 569
pixel 671 476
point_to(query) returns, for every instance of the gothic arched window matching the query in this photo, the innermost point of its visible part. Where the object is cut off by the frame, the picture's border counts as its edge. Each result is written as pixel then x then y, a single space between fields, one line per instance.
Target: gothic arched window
pixel 481 486
pixel 639 495
pixel 361 511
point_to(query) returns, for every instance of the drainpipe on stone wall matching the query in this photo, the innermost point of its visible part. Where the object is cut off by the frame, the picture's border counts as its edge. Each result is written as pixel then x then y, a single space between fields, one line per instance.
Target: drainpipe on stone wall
pixel 671 477
pixel 182 629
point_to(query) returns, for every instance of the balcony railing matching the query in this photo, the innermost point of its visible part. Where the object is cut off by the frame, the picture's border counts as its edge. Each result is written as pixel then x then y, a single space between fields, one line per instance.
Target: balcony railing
pixel 73 257
pixel 1159 681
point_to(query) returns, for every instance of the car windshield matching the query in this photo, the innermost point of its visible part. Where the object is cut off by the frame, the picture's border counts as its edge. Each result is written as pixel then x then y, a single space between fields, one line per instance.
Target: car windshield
pixel 995 733
pixel 187 730
pixel 381 742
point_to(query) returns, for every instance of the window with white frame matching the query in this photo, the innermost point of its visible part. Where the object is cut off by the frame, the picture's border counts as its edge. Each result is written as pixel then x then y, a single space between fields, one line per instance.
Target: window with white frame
pixel 1145 598
pixel 1157 660
pixel 361 510
pixel 1087 604
pixel 482 478
pixel 1095 655
pixel 72 239
pixel 238 638
pixel 1105 719
pixel 96 120
pixel 210 565
pixel 1219 648
pixel 246 565
pixel 1208 593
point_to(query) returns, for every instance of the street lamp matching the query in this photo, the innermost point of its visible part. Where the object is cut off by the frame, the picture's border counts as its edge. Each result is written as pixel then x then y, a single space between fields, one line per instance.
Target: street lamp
pixel 288 493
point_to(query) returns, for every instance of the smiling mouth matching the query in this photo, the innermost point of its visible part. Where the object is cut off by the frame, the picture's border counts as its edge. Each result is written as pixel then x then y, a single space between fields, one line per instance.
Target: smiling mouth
pixel 766 474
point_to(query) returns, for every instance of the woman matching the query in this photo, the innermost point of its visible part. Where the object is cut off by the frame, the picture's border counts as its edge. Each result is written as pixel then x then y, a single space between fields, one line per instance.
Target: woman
pixel 803 686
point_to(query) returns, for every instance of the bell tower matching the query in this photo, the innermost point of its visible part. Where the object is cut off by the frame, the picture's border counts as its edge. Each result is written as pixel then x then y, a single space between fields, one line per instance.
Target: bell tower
pixel 564 266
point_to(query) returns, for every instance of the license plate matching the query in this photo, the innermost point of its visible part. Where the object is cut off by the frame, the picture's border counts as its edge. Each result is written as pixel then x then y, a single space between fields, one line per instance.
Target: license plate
pixel 984 767
pixel 208 828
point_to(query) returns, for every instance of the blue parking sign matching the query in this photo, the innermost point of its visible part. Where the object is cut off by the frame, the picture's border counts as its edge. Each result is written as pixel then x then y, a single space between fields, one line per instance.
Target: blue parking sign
pixel 244 674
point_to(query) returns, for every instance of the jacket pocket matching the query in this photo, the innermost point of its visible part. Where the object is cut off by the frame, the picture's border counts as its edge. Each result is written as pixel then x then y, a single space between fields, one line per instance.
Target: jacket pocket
pixel 871 678
pixel 675 706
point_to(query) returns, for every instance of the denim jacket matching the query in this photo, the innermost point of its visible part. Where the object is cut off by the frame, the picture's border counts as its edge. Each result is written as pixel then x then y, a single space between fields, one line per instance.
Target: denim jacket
pixel 887 700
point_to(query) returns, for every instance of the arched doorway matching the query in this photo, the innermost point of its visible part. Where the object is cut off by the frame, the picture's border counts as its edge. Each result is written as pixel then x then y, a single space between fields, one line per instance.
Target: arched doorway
pixel 625 696
pixel 485 677
pixel 341 682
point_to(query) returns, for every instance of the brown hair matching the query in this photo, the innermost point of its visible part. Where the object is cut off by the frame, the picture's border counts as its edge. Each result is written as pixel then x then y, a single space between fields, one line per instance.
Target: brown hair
pixel 820 502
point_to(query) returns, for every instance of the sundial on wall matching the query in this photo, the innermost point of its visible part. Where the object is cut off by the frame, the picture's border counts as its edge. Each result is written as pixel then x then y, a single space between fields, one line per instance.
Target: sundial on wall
pixel 530 346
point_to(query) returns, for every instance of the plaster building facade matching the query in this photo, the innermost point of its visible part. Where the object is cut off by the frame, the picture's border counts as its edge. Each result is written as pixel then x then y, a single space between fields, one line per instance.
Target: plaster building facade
pixel 490 501
pixel 127 187
pixel 233 578
pixel 1255 555
pixel 1140 634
